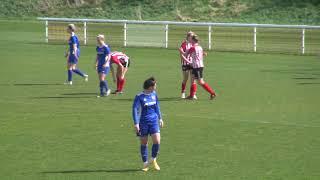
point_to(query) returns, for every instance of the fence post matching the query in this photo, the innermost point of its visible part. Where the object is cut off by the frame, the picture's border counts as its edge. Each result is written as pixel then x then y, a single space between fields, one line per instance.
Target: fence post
pixel 209 37
pixel 47 32
pixel 125 34
pixel 166 40
pixel 85 32
pixel 303 41
pixel 255 39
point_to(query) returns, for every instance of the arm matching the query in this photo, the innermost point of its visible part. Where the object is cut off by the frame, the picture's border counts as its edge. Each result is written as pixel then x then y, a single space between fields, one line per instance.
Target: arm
pixel 96 62
pixel 158 111
pixel 135 113
pixel 113 74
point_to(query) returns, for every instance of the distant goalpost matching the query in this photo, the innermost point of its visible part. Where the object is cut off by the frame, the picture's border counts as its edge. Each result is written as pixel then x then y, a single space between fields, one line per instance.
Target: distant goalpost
pixel 296 39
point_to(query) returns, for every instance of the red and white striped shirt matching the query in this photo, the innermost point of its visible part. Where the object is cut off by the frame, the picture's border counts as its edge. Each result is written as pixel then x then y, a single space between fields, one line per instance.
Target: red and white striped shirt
pixel 196 55
pixel 118 57
pixel 185 46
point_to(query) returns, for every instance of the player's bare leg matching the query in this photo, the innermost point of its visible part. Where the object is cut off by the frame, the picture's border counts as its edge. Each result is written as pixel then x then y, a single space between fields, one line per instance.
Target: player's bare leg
pixel 185 76
pixel 155 150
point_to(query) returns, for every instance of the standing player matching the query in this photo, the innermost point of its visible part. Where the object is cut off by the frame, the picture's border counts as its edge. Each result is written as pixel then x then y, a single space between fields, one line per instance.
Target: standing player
pixel 123 62
pixel 147 120
pixel 185 62
pixel 73 55
pixel 103 65
pixel 196 54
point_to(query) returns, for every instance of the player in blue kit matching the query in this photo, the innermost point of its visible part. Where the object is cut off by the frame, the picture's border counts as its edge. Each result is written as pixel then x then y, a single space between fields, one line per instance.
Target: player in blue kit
pixel 103 65
pixel 73 55
pixel 147 121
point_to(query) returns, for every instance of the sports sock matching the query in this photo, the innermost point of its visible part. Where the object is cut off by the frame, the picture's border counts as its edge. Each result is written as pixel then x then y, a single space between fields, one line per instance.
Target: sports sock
pixel 208 88
pixel 105 84
pixel 193 89
pixel 77 71
pixel 122 82
pixel 118 84
pixel 101 87
pixel 183 87
pixel 144 152
pixel 155 150
pixel 69 75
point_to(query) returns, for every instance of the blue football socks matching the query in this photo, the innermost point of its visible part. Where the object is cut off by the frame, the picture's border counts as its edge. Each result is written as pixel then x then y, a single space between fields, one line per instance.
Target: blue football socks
pixel 155 150
pixel 144 152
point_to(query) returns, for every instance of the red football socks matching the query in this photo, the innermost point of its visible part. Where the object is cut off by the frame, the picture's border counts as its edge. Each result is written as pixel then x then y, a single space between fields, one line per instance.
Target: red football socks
pixel 121 85
pixel 193 89
pixel 208 88
pixel 183 87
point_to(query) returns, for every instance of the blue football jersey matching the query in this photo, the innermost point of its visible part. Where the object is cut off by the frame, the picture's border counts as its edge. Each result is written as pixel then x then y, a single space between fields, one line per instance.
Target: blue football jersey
pixel 102 53
pixel 73 40
pixel 146 108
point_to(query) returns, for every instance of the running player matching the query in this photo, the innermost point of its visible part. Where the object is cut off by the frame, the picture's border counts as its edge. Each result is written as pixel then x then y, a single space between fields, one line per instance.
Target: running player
pixel 196 55
pixel 123 62
pixel 147 121
pixel 73 55
pixel 103 65
pixel 186 63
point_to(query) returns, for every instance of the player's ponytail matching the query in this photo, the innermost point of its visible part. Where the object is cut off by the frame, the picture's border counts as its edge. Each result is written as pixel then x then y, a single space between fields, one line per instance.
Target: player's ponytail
pixel 150 82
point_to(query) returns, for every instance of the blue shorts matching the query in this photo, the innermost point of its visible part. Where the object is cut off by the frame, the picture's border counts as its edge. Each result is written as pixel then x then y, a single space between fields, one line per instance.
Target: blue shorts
pixel 73 59
pixel 104 70
pixel 149 129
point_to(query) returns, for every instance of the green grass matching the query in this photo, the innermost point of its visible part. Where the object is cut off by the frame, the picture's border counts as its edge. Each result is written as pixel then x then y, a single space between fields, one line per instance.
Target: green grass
pixel 264 124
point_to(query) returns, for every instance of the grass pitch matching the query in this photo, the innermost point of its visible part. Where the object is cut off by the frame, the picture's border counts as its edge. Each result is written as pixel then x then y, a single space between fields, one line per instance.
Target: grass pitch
pixel 265 123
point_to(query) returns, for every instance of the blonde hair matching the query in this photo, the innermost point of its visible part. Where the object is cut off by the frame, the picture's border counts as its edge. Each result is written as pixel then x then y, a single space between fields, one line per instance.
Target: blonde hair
pixel 190 34
pixel 101 37
pixel 72 27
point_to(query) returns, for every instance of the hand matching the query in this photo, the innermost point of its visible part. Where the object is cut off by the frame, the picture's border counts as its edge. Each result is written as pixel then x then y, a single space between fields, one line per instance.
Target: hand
pixel 137 128
pixel 95 67
pixel 161 123
pixel 105 65
pixel 66 54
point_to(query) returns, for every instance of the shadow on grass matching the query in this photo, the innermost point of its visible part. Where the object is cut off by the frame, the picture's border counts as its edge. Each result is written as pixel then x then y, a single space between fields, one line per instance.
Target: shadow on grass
pixel 305 78
pixel 78 94
pixel 160 99
pixel 37 84
pixel 92 171
pixel 292 71
pixel 309 83
pixel 62 97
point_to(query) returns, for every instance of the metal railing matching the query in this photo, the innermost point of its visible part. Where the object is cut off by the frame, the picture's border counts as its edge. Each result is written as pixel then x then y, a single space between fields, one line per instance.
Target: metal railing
pixel 209 25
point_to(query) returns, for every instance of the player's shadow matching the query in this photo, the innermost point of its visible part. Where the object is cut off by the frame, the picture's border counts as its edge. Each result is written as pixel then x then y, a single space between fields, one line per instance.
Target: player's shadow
pixel 78 94
pixel 309 83
pixel 305 78
pixel 160 99
pixel 62 97
pixel 37 84
pixel 92 171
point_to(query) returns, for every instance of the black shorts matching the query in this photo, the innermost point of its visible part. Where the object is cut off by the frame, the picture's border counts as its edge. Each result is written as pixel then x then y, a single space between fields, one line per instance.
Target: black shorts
pixel 197 73
pixel 126 63
pixel 186 67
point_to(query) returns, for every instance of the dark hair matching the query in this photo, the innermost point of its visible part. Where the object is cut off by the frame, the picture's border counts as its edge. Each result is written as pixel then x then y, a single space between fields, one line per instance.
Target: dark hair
pixel 150 82
pixel 195 38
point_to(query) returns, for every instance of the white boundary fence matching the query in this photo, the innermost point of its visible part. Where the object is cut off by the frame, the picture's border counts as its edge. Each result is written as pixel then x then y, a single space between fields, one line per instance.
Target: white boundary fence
pixel 166 25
